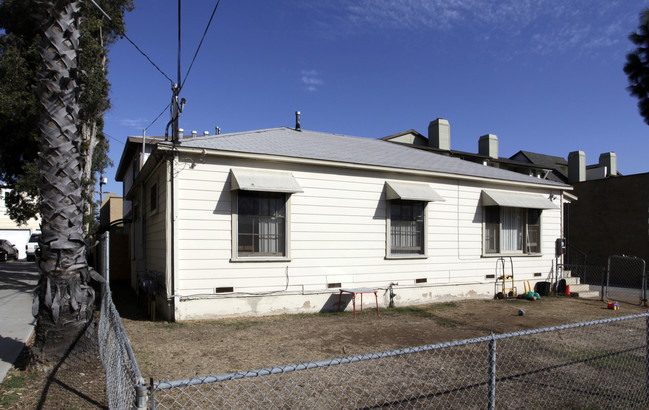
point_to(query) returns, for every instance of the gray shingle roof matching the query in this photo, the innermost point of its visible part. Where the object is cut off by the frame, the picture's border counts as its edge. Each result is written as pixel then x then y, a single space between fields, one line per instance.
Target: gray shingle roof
pixel 288 142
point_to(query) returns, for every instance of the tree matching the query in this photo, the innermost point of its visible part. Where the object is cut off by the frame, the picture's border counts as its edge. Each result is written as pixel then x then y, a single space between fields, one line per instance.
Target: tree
pixel 65 298
pixel 637 65
pixel 20 63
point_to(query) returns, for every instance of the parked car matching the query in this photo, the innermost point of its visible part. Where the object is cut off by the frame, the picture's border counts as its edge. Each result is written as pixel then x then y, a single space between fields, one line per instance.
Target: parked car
pixel 32 246
pixel 7 251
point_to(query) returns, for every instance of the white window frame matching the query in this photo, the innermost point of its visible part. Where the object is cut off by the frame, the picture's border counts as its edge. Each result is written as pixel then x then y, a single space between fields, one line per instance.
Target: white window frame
pixel 389 246
pixel 501 236
pixel 261 257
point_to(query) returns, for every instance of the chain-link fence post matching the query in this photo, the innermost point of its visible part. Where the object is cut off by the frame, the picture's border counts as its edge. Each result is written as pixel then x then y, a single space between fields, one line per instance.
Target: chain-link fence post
pixel 141 393
pixel 646 356
pixel 492 374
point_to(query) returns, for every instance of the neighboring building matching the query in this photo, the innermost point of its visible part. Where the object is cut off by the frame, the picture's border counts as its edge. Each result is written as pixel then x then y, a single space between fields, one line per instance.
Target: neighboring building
pixel 606 212
pixel 14 233
pixel 111 220
pixel 610 218
pixel 278 220
pixel 439 142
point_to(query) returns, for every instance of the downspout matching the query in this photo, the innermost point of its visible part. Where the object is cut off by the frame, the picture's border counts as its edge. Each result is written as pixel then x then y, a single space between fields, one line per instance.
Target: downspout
pixel 172 219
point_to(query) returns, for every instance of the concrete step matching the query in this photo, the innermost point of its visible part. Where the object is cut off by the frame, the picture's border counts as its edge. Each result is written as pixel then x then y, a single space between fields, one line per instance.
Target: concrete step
pixel 572 281
pixel 584 291
pixel 591 294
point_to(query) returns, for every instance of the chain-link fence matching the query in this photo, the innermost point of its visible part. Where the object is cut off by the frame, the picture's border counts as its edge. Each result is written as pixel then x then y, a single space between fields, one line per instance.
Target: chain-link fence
pixel 125 386
pixel 626 279
pixel 599 364
pixel 588 274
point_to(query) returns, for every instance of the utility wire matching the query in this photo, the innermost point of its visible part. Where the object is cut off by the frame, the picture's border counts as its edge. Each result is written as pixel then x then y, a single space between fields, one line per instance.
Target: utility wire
pixel 158 117
pixel 200 44
pixel 113 138
pixel 147 57
pixel 133 43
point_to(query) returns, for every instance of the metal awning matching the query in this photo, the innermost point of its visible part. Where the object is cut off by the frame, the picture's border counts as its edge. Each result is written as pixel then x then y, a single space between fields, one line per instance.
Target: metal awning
pixel 515 200
pixel 266 181
pixel 411 191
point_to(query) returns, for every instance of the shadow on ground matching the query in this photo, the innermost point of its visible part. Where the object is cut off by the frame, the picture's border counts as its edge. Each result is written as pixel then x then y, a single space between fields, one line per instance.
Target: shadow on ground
pixel 77 381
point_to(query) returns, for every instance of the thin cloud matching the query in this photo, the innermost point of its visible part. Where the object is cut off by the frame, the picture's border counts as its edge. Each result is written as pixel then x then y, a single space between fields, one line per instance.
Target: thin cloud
pixel 133 123
pixel 539 26
pixel 311 79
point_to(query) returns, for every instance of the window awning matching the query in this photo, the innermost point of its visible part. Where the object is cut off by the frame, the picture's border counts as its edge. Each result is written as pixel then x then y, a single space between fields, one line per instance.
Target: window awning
pixel 266 181
pixel 411 191
pixel 513 200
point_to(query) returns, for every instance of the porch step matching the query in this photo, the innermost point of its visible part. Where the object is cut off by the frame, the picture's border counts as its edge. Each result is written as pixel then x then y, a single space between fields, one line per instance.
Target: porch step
pixel 584 291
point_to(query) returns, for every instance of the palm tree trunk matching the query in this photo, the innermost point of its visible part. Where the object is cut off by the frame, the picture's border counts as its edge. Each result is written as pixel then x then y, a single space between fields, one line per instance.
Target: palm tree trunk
pixel 65 299
pixel 89 141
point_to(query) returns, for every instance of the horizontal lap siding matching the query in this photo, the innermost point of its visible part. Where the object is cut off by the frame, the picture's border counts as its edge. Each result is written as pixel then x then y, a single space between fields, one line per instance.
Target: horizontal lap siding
pixel 156 243
pixel 338 234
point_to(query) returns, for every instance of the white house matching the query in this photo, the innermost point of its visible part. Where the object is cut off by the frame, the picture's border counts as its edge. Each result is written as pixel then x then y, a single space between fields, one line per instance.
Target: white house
pixel 278 220
pixel 13 232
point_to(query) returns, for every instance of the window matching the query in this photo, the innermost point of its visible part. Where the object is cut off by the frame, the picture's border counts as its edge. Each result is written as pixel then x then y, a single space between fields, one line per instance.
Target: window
pixel 407 227
pixel 512 230
pixel 153 197
pixel 407 203
pixel 260 214
pixel 261 223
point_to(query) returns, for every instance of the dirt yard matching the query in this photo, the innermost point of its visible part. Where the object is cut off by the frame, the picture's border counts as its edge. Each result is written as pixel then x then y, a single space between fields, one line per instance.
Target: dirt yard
pixel 174 351
pixel 182 350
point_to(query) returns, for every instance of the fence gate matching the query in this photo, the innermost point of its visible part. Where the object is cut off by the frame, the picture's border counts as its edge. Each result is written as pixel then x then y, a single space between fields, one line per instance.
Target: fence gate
pixel 626 279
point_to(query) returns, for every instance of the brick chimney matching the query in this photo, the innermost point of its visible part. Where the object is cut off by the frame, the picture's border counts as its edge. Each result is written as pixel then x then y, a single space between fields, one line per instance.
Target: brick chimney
pixel 439 134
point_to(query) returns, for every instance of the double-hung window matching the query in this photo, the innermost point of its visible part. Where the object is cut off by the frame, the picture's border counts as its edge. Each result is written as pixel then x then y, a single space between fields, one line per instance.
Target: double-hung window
pixel 261 225
pixel 512 222
pixel 512 230
pixel 407 205
pixel 261 214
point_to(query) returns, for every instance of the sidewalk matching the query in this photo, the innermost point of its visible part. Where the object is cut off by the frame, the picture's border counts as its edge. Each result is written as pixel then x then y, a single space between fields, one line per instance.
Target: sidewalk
pixel 17 281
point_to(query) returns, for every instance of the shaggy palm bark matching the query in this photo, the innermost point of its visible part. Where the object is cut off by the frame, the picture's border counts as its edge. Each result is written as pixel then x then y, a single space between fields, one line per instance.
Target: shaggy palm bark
pixel 65 299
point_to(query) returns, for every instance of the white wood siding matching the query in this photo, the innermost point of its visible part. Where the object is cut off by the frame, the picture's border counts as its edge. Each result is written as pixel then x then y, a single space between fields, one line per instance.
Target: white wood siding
pixel 337 234
pixel 155 235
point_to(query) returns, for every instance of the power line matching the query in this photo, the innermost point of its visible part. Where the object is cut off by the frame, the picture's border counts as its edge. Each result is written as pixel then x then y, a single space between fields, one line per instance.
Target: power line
pixel 200 44
pixel 113 138
pixel 133 43
pixel 158 117
pixel 147 57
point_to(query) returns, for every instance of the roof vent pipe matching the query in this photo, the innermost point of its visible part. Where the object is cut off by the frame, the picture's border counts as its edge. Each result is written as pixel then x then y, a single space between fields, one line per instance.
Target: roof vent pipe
pixel 194 133
pixel 206 133
pixel 217 130
pixel 297 121
pixel 181 133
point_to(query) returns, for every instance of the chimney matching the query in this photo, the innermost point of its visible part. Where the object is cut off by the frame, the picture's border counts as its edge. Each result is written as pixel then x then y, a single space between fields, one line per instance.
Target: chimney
pixel 576 167
pixel 609 160
pixel 488 145
pixel 297 121
pixel 439 134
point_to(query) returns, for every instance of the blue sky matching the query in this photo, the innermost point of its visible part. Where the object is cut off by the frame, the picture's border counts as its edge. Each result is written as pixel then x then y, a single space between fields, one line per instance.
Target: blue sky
pixel 543 75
